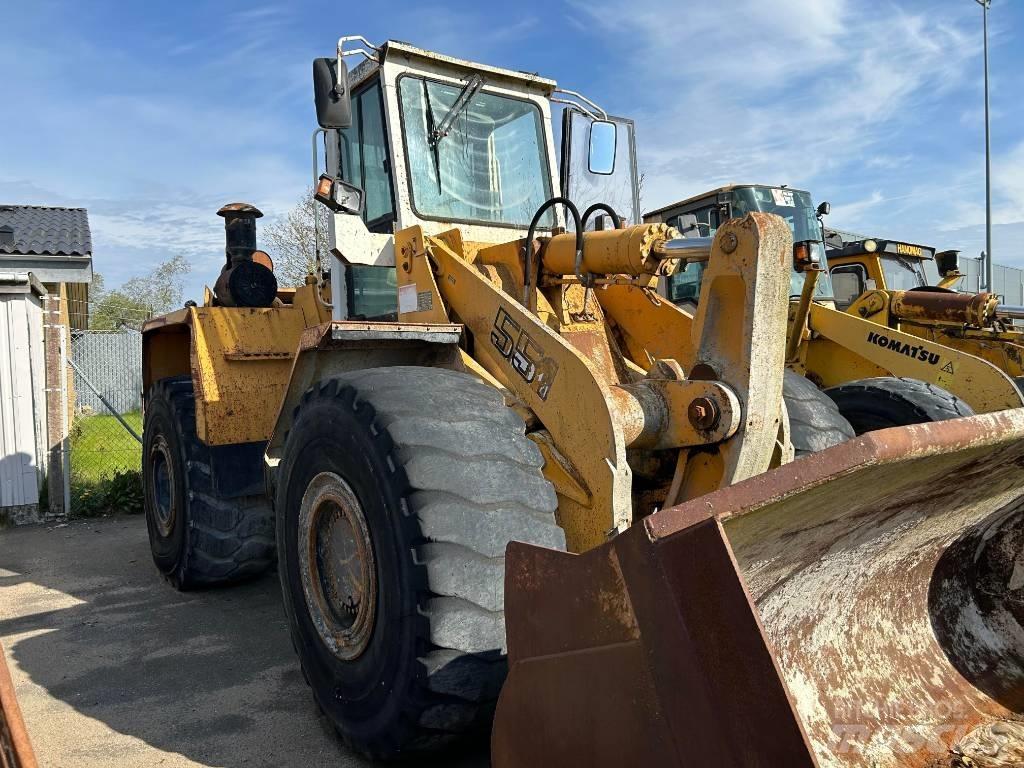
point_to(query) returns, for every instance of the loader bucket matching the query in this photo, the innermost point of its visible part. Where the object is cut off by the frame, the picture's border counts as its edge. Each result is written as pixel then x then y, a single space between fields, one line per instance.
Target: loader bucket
pixel 15 750
pixel 859 607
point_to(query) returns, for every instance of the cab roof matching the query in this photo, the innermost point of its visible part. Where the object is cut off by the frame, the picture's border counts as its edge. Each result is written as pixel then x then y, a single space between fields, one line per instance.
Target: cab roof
pixel 717 191
pixel 897 247
pixel 393 50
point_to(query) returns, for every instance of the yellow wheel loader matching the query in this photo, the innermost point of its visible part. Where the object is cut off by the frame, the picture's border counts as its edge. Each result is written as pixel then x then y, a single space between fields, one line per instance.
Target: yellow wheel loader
pixel 885 281
pixel 878 378
pixel 507 475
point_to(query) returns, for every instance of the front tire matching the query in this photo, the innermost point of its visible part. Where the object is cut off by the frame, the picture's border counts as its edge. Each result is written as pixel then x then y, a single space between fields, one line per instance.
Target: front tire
pixel 196 537
pixel 887 401
pixel 398 490
pixel 815 422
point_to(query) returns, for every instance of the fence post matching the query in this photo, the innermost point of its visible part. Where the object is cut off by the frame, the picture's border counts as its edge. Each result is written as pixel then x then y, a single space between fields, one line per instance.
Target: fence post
pixel 54 331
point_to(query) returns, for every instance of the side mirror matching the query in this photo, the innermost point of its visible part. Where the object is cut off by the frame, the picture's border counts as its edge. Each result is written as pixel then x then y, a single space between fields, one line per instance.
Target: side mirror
pixel 947 262
pixel 330 93
pixel 687 225
pixel 824 208
pixel 603 139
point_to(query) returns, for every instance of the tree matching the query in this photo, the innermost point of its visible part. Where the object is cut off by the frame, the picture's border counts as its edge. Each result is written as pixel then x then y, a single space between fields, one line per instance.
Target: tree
pixel 290 241
pixel 138 298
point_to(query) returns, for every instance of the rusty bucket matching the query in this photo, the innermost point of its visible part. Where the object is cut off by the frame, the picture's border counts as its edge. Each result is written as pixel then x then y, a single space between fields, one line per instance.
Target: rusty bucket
pixel 15 750
pixel 859 607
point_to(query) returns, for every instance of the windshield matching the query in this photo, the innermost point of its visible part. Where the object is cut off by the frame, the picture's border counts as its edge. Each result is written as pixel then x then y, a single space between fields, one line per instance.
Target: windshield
pixel 902 274
pixel 490 168
pixel 798 211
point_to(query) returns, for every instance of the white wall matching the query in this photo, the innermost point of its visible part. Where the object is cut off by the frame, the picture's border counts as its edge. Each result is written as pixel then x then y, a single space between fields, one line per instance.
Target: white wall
pixel 22 395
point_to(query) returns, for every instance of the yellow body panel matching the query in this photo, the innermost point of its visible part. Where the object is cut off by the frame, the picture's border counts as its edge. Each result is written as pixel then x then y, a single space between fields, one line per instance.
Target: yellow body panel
pixel 240 360
pixel 594 369
pixel 1002 348
pixel 845 347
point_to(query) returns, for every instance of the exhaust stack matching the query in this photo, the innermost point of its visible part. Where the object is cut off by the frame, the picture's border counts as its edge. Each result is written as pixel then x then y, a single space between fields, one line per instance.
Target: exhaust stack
pixel 242 281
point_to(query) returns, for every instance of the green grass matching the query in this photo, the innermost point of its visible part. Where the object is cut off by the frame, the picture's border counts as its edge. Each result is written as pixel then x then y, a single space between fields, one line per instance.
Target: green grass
pixel 101 446
pixel 105 465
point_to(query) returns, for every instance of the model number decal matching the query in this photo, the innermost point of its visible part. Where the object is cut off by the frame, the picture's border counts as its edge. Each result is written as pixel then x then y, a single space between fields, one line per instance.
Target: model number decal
pixel 915 353
pixel 523 353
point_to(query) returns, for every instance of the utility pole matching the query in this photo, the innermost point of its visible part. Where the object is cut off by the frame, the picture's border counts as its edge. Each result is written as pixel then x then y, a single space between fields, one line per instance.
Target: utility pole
pixel 985 5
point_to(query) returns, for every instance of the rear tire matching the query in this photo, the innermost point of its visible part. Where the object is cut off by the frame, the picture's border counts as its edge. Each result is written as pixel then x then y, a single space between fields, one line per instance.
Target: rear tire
pixel 196 537
pixel 814 420
pixel 398 491
pixel 887 401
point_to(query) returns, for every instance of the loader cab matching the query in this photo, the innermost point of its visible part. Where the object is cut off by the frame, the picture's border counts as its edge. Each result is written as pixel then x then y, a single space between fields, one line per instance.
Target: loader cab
pixel 701 216
pixel 858 265
pixel 437 142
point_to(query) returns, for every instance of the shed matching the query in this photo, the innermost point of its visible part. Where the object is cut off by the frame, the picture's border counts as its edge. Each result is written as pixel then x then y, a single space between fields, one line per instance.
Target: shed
pixel 23 449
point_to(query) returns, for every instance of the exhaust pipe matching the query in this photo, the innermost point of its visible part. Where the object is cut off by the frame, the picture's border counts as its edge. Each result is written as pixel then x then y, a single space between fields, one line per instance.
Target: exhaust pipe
pixel 242 281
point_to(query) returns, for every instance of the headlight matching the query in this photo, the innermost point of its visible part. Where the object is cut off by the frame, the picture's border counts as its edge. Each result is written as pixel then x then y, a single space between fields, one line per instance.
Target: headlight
pixel 339 195
pixel 870 246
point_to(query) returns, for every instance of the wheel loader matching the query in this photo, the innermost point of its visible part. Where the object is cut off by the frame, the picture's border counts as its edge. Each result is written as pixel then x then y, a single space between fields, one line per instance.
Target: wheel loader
pixel 885 281
pixel 505 480
pixel 894 376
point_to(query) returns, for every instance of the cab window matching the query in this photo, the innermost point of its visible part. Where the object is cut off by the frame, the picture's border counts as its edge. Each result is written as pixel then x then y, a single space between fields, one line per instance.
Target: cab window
pixel 848 283
pixel 708 220
pixel 903 274
pixel 364 153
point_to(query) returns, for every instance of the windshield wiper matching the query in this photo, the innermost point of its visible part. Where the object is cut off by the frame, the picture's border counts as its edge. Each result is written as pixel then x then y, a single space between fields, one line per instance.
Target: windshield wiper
pixel 473 85
pixel 431 130
pixel 435 131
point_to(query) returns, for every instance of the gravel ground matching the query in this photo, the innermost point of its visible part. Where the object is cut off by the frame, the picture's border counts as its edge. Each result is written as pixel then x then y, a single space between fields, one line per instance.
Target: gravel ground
pixel 113 667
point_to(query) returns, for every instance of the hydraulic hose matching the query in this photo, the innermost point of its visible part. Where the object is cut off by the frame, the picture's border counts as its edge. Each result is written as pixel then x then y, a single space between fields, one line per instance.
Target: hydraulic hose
pixel 616 219
pixel 528 264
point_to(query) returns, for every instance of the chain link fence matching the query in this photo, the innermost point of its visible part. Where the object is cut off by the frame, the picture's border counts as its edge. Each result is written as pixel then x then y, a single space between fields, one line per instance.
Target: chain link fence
pixel 106 424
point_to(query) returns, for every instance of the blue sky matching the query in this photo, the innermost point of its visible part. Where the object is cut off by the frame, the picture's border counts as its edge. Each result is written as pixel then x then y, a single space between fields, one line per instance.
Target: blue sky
pixel 154 114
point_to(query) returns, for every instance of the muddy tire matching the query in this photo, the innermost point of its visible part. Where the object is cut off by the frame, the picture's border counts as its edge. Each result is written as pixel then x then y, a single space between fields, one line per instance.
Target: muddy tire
pixel 887 401
pixel 815 422
pixel 398 491
pixel 196 538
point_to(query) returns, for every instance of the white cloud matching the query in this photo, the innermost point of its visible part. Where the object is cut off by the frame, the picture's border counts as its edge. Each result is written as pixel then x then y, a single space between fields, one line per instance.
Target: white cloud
pixel 795 92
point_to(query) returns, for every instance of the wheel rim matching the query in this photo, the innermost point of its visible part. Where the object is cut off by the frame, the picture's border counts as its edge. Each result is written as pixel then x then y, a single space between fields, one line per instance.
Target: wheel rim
pixel 336 562
pixel 162 476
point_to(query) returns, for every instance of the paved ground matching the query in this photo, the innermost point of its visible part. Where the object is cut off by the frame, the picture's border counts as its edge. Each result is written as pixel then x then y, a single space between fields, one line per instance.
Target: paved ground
pixel 113 667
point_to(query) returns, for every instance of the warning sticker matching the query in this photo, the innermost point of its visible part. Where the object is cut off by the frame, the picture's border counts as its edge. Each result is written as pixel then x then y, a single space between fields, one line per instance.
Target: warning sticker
pixel 784 197
pixel 407 298
pixel 948 367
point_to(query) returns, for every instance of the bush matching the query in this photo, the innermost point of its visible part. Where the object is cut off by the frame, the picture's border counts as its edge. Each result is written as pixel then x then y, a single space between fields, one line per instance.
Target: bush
pixel 119 492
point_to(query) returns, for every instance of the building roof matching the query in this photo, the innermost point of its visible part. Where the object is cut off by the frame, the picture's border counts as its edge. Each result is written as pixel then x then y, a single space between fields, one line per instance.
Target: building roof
pixel 45 230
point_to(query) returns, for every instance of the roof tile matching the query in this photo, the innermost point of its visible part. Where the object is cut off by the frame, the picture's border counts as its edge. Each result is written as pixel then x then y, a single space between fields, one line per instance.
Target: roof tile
pixel 47 230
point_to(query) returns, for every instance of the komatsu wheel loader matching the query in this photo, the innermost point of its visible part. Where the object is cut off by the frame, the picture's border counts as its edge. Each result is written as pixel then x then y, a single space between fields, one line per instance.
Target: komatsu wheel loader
pixel 878 377
pixel 486 444
pixel 885 281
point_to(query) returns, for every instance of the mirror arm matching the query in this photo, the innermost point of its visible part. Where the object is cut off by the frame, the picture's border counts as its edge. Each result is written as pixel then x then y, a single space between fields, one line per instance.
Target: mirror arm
pixel 580 98
pixel 375 56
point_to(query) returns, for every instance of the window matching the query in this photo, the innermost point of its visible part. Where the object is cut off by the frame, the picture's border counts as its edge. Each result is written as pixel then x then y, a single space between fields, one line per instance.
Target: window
pixel 490 168
pixel 797 210
pixel 364 152
pixel 902 274
pixel 707 222
pixel 685 284
pixel 848 283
